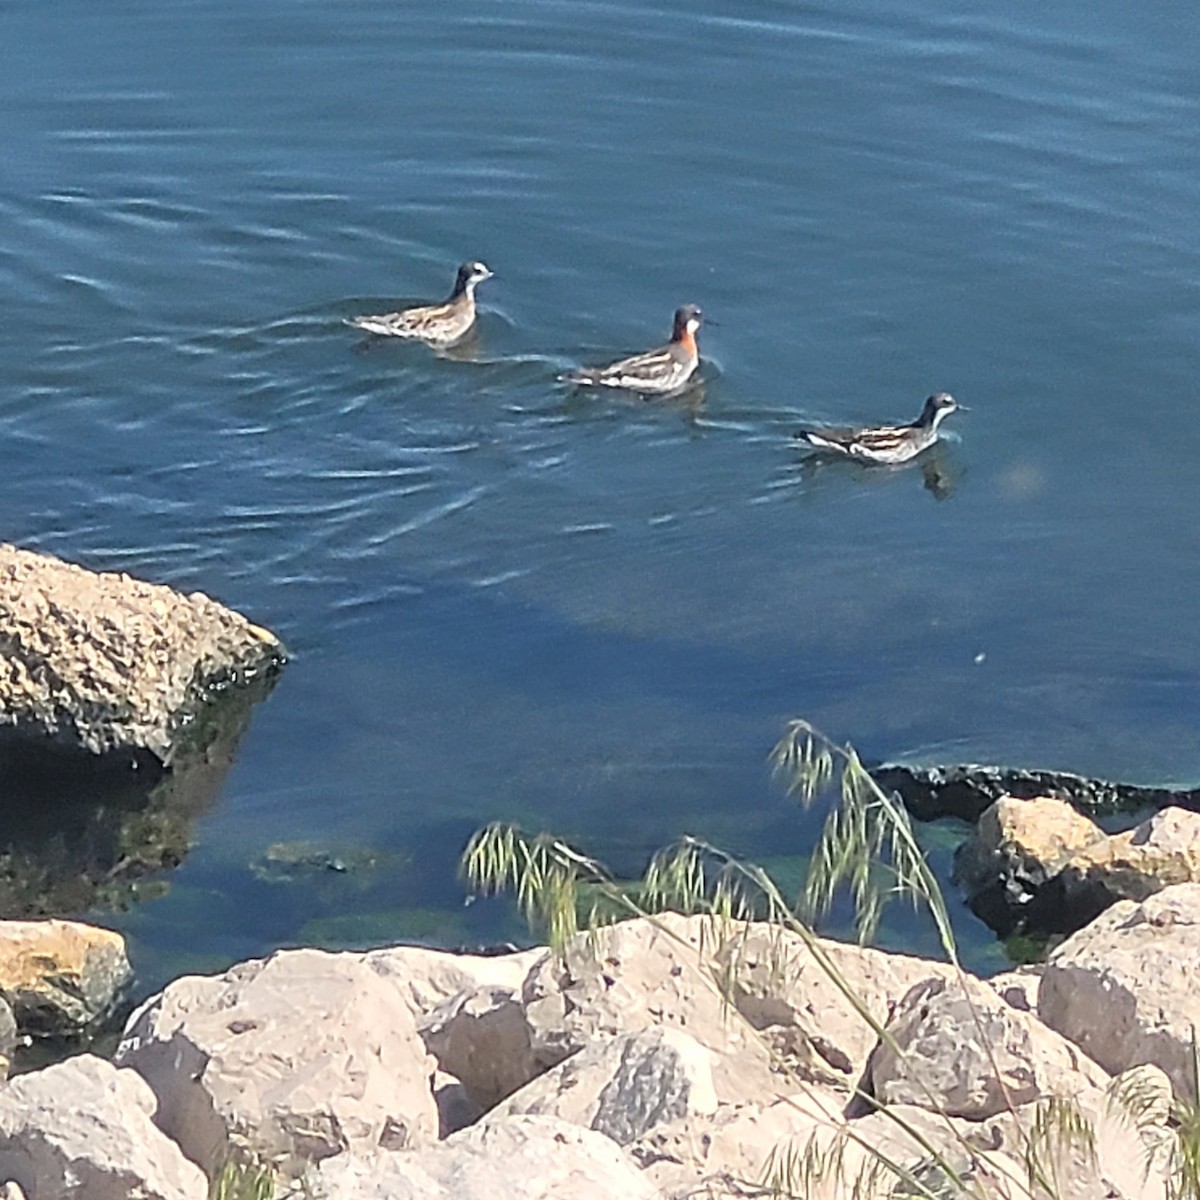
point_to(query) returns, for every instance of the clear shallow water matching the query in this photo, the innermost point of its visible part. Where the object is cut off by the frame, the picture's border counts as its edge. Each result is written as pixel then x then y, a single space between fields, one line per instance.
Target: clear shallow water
pixel 594 615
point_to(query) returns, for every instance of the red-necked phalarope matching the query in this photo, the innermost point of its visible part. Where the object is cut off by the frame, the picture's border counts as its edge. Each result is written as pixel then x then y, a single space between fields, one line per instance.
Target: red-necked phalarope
pixel 657 372
pixel 887 443
pixel 437 324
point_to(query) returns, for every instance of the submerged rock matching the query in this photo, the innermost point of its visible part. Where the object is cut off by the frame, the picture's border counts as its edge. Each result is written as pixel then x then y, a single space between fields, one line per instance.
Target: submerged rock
pixel 103 662
pixel 80 832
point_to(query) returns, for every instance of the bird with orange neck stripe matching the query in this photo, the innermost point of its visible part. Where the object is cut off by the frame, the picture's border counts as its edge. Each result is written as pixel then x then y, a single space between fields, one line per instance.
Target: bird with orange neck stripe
pixel 657 372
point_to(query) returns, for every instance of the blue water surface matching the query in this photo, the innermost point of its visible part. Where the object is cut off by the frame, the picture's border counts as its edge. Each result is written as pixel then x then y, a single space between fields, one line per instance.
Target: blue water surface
pixel 595 614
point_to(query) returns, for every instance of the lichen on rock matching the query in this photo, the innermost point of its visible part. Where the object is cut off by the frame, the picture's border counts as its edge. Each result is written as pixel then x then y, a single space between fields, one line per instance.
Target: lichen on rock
pixel 103 662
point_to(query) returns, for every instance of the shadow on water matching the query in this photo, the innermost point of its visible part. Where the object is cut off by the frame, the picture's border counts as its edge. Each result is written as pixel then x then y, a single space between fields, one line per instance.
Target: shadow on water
pixel 939 473
pixel 80 834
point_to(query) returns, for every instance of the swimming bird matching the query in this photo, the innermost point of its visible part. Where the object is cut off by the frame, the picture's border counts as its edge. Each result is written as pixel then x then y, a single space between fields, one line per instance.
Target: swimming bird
pixel 437 324
pixel 657 372
pixel 887 443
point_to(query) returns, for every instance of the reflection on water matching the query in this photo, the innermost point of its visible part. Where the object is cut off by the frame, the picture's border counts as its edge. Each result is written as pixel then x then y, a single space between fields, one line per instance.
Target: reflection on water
pixel 937 469
pixel 83 833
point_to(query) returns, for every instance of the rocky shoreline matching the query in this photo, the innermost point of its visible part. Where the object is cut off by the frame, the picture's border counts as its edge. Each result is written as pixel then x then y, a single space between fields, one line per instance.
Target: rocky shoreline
pixel 663 1058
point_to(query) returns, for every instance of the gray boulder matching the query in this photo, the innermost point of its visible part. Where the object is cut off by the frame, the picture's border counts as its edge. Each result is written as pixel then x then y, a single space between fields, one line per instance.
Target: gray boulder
pixel 482 1038
pixel 82 1130
pixel 625 1087
pixel 104 662
pixel 957 1048
pixel 294 1058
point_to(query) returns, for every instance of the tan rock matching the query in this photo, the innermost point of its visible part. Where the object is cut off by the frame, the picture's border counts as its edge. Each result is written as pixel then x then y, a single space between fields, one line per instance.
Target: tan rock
pixel 60 977
pixel 427 978
pixel 730 1151
pixel 296 1058
pixel 785 987
pixel 521 1158
pixel 803 1146
pixel 1124 988
pixel 82 1130
pixel 1025 842
pixel 1159 852
pixel 1039 864
pixel 104 662
pixel 955 1047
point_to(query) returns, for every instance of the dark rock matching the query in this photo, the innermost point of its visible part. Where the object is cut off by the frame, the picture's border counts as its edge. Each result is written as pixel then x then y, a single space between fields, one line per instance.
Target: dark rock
pixel 966 791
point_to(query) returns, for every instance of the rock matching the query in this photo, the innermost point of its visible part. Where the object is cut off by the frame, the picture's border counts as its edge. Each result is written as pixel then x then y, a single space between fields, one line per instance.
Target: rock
pixel 469 1016
pixel 60 977
pixel 1018 988
pixel 295 1058
pixel 802 1145
pixel 1018 848
pixel 8 1037
pixel 1159 852
pixel 1124 988
pixel 104 662
pixel 785 989
pixel 962 1051
pixel 624 1087
pixel 83 833
pixel 1039 865
pixel 482 1038
pixel 83 1129
pixel 698 974
pixel 456 1109
pixel 427 977
pixel 521 1158
pixel 928 1147
pixel 1123 1149
pixel 634 975
pixel 704 1154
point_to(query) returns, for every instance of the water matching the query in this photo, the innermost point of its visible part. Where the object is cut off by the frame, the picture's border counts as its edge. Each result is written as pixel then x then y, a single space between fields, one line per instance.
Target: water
pixel 588 614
